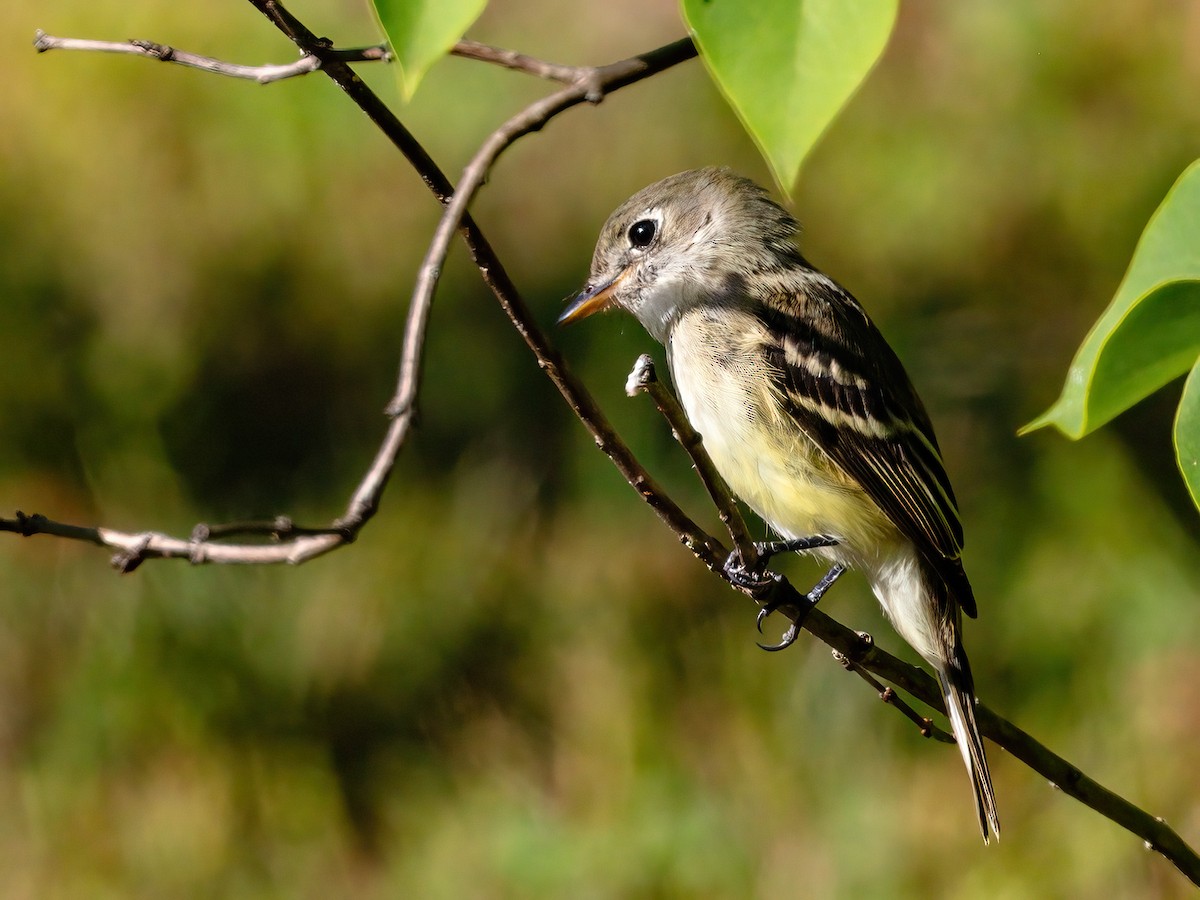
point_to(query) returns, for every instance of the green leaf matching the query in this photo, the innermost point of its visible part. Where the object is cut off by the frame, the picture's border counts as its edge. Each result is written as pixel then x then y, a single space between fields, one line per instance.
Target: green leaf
pixel 1150 333
pixel 422 31
pixel 788 66
pixel 1187 434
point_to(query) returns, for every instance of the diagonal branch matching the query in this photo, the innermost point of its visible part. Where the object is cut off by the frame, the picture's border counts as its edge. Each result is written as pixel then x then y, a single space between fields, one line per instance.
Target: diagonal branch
pixel 858 653
pixel 1155 832
pixel 1152 830
pixel 888 695
pixel 1061 774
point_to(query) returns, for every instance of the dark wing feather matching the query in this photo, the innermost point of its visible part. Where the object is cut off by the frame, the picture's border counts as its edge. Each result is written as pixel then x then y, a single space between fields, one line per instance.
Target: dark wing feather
pixel 849 392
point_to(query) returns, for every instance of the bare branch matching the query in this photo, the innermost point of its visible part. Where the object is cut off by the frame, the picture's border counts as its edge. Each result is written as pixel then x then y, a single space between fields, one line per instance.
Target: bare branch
pixel 164 53
pixel 134 548
pixel 300 545
pixel 308 62
pixel 888 695
pixel 604 79
pixel 511 59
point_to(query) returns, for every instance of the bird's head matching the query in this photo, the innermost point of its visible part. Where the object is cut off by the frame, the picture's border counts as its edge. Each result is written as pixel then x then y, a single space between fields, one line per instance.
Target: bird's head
pixel 686 240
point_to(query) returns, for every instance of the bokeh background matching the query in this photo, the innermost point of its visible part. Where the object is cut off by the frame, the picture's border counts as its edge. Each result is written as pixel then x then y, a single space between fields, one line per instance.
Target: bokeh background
pixel 517 683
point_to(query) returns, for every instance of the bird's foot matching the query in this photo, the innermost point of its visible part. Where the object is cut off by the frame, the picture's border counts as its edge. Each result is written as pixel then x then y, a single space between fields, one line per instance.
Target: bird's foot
pixel 812 598
pixel 755 578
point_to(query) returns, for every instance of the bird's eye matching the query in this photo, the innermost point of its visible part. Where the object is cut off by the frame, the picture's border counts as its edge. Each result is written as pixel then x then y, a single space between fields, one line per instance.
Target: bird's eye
pixel 642 232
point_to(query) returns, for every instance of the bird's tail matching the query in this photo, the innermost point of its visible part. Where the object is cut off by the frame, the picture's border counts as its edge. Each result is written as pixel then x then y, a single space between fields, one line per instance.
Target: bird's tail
pixel 959 692
pixel 925 610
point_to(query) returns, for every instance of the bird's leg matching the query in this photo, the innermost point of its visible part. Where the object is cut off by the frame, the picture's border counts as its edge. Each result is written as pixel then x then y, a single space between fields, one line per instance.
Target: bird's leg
pixel 767 549
pixel 812 597
pixel 756 579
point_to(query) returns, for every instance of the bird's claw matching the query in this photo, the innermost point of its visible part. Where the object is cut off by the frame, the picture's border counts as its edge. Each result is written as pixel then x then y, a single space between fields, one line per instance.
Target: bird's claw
pixel 759 583
pixel 789 637
pixel 812 598
pixel 756 579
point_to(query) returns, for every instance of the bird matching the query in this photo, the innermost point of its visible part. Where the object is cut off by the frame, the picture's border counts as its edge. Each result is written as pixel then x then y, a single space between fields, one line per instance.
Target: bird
pixel 804 408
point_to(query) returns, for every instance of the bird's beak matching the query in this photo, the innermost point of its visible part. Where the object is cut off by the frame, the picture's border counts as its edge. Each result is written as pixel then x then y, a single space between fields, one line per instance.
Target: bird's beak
pixel 593 298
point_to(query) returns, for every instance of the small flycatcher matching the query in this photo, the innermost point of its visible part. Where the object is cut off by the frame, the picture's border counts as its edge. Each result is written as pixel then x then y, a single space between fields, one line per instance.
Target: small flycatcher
pixel 806 411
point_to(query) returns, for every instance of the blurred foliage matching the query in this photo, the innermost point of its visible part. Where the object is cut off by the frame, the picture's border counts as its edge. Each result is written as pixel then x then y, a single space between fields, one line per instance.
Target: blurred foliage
pixel 516 683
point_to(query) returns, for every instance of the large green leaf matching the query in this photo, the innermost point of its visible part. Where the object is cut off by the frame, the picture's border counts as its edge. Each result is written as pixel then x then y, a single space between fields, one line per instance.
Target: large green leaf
pixel 422 31
pixel 1187 433
pixel 1150 333
pixel 788 66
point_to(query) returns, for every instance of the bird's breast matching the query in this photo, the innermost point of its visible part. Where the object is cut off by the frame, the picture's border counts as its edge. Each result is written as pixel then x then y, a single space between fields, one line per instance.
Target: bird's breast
pixel 732 399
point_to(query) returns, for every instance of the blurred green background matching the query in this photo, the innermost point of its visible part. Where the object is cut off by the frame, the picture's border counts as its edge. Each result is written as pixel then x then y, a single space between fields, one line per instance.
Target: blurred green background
pixel 517 683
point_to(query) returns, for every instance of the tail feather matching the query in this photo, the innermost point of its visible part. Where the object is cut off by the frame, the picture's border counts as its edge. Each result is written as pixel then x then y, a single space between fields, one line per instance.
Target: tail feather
pixel 960 707
pixel 926 610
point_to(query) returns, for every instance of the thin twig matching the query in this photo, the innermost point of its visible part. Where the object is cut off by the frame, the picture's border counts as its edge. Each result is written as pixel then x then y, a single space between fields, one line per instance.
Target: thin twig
pixel 134 548
pixel 644 379
pixel 266 74
pixel 164 53
pixel 511 59
pixel 889 696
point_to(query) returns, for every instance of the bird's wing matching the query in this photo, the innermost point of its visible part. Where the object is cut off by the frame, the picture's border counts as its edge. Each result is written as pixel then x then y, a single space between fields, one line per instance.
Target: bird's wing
pixel 849 392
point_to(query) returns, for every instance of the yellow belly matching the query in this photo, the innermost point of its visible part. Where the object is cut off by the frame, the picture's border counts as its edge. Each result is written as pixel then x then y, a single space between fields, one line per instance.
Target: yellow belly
pixel 760 451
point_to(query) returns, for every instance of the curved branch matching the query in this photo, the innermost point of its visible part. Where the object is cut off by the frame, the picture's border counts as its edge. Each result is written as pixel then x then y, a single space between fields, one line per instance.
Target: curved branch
pixel 133 548
pixel 456 217
pixel 511 59
pixel 295 545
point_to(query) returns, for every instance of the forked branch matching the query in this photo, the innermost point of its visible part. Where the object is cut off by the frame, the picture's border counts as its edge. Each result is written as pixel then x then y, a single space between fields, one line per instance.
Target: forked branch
pixel 297 545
